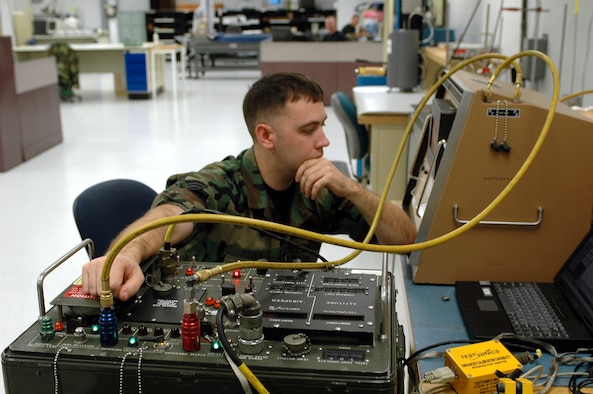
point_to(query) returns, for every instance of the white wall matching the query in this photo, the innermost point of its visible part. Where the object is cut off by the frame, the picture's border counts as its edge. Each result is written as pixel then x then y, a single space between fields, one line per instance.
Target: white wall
pixel 568 39
pixel 569 45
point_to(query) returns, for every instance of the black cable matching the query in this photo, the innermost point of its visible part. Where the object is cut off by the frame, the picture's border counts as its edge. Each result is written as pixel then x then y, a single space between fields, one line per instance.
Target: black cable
pixel 262 231
pixel 224 341
pixel 574 385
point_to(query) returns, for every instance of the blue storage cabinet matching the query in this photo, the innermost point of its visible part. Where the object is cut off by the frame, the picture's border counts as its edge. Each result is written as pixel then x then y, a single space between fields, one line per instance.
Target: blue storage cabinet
pixel 137 75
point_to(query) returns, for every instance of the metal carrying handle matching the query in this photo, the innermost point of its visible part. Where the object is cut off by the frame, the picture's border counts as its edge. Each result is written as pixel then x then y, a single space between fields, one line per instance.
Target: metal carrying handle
pixel 87 243
pixel 540 214
pixel 440 146
pixel 425 127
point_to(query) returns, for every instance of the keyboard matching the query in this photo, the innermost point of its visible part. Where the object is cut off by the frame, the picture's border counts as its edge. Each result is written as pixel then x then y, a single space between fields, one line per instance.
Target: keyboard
pixel 529 311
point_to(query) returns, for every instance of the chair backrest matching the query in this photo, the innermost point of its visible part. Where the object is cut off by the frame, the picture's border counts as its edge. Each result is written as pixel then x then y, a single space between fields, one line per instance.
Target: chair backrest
pixel 103 210
pixel 357 139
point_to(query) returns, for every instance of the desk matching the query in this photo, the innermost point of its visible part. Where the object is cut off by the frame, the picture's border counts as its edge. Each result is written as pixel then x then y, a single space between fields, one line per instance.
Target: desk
pixel 242 46
pixel 434 317
pixel 92 58
pixel 69 37
pixel 385 113
pixel 172 50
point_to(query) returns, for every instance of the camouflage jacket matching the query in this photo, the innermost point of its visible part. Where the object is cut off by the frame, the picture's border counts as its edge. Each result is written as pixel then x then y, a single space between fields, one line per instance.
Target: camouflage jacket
pixel 234 186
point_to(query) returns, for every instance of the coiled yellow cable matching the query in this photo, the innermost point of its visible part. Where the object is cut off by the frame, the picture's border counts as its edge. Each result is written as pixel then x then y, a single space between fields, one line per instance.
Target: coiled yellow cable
pixel 253 380
pixel 107 297
pixel 397 157
pixel 576 94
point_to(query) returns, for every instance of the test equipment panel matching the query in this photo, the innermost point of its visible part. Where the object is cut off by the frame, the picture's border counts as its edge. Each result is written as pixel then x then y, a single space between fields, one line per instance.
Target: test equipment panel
pixel 314 331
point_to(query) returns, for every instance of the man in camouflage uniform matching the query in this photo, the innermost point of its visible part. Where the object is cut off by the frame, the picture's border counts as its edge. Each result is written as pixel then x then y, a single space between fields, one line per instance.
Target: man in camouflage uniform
pixel 283 178
pixel 67 64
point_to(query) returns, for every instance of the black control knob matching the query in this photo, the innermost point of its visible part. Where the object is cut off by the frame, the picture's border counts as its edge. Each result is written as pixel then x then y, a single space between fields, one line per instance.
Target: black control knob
pixel 127 329
pixel 175 332
pixel 142 331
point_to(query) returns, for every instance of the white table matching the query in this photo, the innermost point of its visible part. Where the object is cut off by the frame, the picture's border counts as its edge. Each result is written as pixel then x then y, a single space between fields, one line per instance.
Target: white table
pixel 92 58
pixel 385 113
pixel 172 50
pixel 109 58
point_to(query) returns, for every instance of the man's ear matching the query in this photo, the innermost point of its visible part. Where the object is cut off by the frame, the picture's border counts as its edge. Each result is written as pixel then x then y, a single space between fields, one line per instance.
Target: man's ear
pixel 264 135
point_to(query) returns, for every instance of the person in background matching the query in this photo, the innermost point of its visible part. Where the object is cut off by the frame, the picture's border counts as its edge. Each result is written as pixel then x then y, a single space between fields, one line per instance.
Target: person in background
pixel 283 177
pixel 353 31
pixel 203 19
pixel 332 30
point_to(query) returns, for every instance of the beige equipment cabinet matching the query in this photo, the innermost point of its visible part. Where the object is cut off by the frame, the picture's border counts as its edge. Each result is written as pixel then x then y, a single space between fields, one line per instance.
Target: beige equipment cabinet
pixel 529 236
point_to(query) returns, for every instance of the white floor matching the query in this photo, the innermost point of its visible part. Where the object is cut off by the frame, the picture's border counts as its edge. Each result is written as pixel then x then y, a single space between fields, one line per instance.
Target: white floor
pixel 112 137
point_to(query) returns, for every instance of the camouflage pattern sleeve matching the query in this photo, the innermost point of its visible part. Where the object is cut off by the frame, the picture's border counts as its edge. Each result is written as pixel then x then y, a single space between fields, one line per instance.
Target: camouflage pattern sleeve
pixel 234 186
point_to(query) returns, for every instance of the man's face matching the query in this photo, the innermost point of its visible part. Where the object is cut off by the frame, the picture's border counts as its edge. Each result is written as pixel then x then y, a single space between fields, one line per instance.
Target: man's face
pixel 330 25
pixel 299 134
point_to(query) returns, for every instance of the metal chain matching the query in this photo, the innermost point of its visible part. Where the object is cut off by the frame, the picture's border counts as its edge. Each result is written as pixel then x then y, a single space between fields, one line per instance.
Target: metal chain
pixel 121 371
pixel 55 367
pixel 506 121
pixel 494 144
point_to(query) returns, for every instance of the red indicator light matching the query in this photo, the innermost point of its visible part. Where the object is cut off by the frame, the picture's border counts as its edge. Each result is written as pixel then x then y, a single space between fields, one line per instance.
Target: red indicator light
pixel 236 274
pixel 59 326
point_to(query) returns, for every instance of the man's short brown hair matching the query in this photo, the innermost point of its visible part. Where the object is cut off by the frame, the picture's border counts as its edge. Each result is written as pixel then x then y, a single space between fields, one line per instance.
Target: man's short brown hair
pixel 267 96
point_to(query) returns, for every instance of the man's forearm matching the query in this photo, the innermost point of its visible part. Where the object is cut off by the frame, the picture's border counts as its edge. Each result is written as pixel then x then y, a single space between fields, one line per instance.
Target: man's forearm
pixel 394 226
pixel 149 243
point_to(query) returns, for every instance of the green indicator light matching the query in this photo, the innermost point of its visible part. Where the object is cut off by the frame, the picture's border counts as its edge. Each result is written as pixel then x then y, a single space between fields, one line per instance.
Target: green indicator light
pixel 133 341
pixel 216 347
pixel 95 328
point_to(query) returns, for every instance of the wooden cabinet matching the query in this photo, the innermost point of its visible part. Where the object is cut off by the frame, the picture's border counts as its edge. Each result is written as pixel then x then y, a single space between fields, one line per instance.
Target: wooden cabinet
pixel 10 141
pixel 331 64
pixel 30 119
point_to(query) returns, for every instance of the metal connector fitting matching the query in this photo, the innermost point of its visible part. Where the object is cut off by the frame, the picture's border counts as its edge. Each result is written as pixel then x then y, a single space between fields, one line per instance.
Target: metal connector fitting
pixel 237 303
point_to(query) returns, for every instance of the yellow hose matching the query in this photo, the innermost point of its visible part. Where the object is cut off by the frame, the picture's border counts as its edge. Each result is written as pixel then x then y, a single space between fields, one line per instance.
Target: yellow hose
pixel 573 95
pixel 203 275
pixel 253 380
pixel 107 297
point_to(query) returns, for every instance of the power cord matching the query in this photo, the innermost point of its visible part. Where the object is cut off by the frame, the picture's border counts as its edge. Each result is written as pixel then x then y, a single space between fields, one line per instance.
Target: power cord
pixel 574 385
pixel 410 362
pixel 439 375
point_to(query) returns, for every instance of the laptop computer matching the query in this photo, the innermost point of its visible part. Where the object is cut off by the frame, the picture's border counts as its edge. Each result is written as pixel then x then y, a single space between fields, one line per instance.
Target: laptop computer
pixel 487 307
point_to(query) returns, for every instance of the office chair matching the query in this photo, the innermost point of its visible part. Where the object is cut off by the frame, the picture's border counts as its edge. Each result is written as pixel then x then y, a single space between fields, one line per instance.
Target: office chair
pixel 103 210
pixel 357 139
